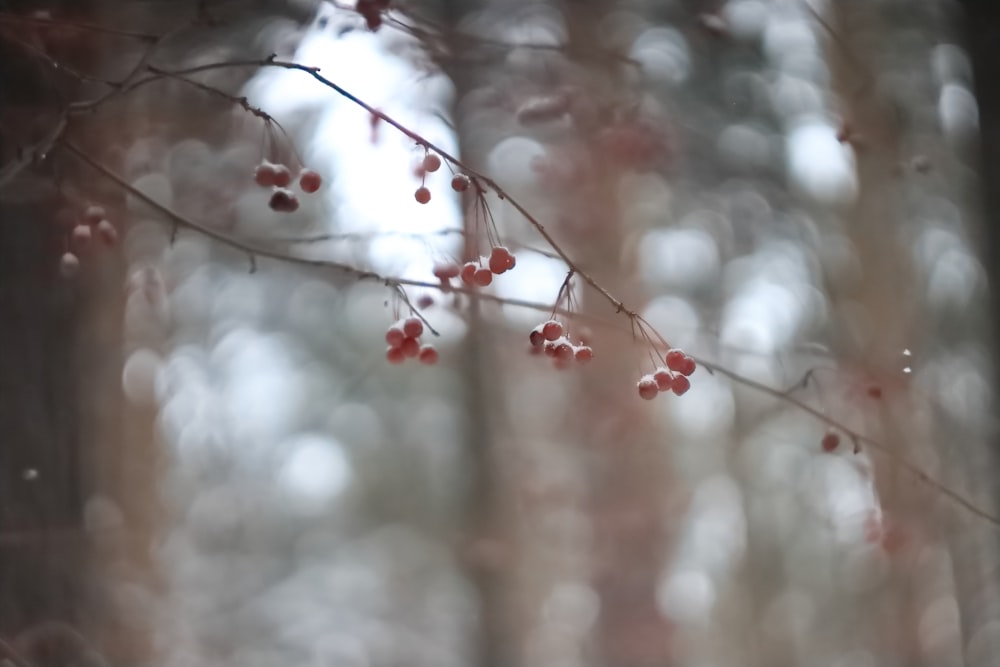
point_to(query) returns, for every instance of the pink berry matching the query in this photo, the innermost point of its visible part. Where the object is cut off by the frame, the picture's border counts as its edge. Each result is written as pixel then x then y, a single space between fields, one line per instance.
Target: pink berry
pixel 93 214
pixel 394 355
pixel 282 176
pixel 410 347
pixel 469 273
pixel 107 232
pixel 664 379
pixel 428 355
pixel 688 366
pixel 447 271
pixel 482 277
pixel 550 348
pixel 552 330
pixel 394 336
pixel 81 236
pixel 432 163
pixel 830 442
pixel 564 351
pixel 283 201
pixel 536 337
pixel 310 181
pixel 69 265
pixel 460 183
pixel 583 354
pixel 263 175
pixel 647 387
pixel 422 195
pixel 675 360
pixel 680 385
pixel 413 327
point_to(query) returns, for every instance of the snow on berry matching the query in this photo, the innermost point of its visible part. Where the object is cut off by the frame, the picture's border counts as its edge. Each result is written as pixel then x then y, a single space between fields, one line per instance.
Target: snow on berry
pixel 394 355
pixel 93 214
pixel 81 236
pixel 664 379
pixel 422 195
pixel 283 201
pixel 410 347
pixel 282 176
pixel 583 353
pixel 552 330
pixel 69 265
pixel 394 336
pixel 265 175
pixel 428 354
pixel 501 260
pixel 460 183
pixel 431 163
pixel 413 327
pixel 310 181
pixel 107 232
pixel 647 387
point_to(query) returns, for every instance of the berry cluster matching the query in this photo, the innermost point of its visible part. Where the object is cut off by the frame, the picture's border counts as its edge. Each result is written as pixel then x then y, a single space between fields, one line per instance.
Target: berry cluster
pixel 93 220
pixel 430 164
pixel 477 273
pixel 550 338
pixel 673 377
pixel 403 338
pixel 279 177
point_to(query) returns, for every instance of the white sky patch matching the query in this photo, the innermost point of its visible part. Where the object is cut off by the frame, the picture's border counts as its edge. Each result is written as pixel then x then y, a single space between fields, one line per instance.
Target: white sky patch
pixel 818 165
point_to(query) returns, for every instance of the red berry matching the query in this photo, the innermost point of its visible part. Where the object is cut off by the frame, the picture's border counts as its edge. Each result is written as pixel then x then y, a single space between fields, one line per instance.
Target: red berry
pixel 460 183
pixel 282 176
pixel 264 175
pixel 647 387
pixel 310 181
pixel 93 214
pixel 422 195
pixel 394 355
pixel 469 273
pixel 432 163
pixel 425 301
pixel 664 379
pixel 830 441
pixel 536 337
pixel 500 260
pixel 482 277
pixel 675 360
pixel 552 330
pixel 688 366
pixel 283 201
pixel 107 232
pixel 428 355
pixel 680 385
pixel 447 271
pixel 394 336
pixel 410 347
pixel 564 351
pixel 583 354
pixel 69 265
pixel 875 392
pixel 413 327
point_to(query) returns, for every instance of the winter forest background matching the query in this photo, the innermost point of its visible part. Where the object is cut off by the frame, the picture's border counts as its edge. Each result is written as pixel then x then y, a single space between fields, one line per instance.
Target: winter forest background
pixel 208 457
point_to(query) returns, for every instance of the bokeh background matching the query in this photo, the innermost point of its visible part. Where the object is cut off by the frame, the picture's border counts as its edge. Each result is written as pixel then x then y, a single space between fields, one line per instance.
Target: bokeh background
pixel 206 459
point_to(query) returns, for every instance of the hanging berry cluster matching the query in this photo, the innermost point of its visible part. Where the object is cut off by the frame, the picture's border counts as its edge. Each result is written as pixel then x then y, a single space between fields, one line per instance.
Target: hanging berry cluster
pixel 403 338
pixel 278 177
pixel 673 377
pixel 550 338
pixel 92 221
